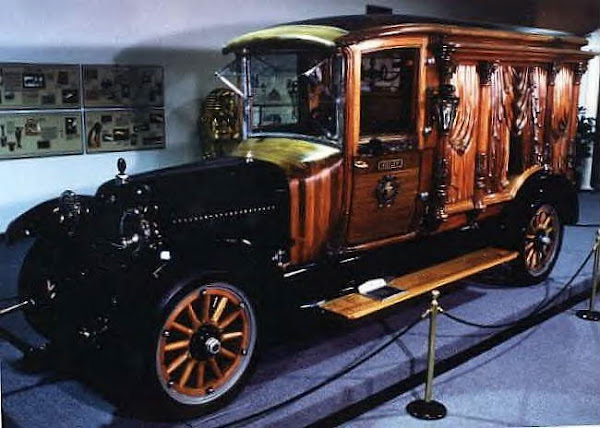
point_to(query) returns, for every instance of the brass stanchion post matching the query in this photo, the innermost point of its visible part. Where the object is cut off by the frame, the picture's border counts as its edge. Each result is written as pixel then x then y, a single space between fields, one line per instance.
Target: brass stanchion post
pixel 428 408
pixel 591 314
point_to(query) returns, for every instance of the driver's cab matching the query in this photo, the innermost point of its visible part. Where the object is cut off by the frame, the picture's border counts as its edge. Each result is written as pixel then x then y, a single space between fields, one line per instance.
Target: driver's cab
pixel 364 101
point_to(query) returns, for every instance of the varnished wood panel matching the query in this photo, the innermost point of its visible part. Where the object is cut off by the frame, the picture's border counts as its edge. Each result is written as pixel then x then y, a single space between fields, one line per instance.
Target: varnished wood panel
pixel 315 175
pixel 354 306
pixel 369 221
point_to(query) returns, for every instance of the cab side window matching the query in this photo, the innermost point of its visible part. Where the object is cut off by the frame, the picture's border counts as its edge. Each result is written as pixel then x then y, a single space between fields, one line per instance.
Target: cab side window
pixel 388 92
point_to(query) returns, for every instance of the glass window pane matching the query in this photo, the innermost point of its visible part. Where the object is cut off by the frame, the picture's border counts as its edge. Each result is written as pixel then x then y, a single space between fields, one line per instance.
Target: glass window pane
pixel 388 91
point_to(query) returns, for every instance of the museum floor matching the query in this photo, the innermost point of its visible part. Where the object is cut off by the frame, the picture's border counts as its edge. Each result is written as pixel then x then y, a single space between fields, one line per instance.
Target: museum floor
pixel 543 373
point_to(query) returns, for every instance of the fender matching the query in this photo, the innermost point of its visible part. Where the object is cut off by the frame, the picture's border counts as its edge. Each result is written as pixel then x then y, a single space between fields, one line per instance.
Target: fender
pixel 544 185
pixel 51 219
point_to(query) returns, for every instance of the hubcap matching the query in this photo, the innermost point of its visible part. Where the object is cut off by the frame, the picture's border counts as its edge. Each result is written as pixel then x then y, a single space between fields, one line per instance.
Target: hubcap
pixel 204 352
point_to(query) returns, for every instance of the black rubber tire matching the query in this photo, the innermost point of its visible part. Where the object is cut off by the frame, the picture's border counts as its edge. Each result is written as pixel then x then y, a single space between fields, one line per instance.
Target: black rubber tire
pixel 164 404
pixel 42 263
pixel 521 232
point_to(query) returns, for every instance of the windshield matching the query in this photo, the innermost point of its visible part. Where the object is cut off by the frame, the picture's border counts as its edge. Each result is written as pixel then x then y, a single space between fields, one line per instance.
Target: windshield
pixel 295 92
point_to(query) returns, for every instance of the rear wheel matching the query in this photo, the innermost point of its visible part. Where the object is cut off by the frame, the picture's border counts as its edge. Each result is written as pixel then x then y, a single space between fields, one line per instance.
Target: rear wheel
pixel 539 240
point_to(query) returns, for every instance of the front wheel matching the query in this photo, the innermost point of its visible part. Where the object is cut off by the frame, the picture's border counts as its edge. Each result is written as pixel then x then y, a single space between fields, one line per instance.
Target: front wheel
pixel 539 243
pixel 204 347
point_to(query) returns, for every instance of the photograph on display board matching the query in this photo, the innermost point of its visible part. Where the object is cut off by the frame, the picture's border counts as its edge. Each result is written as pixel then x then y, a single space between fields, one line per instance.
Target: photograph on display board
pixel 40 134
pixel 119 130
pixel 122 86
pixel 28 86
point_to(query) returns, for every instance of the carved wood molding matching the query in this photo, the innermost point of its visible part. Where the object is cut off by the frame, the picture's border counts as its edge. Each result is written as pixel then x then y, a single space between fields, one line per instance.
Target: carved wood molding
pixel 444 56
pixel 579 70
pixel 521 103
pixel 535 79
pixel 486 69
pixel 481 168
pixel 553 70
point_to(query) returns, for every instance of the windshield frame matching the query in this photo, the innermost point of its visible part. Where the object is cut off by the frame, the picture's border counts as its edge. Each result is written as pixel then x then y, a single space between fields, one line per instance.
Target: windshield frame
pixel 335 140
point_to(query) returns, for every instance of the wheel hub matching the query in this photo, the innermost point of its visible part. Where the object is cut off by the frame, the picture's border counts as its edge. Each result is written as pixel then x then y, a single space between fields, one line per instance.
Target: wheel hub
pixel 205 343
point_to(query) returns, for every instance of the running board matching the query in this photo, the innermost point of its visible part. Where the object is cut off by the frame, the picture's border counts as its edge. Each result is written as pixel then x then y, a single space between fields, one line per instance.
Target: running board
pixel 356 305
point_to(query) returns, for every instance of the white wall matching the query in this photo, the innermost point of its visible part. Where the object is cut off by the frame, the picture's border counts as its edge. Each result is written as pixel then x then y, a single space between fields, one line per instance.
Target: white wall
pixel 588 98
pixel 185 36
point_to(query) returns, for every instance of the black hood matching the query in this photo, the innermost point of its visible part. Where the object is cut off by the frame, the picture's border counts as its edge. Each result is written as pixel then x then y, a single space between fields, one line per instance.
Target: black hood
pixel 228 196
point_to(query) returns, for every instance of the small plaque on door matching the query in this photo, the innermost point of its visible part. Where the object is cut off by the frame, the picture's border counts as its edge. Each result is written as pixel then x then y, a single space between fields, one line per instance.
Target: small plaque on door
pixel 390 164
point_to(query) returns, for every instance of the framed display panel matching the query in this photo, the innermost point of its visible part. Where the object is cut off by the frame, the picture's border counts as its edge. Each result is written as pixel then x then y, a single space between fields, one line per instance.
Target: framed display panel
pixel 28 86
pixel 123 86
pixel 119 130
pixel 33 134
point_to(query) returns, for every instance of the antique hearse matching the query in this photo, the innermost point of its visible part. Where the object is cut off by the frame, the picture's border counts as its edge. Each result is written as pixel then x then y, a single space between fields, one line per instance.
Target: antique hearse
pixel 357 133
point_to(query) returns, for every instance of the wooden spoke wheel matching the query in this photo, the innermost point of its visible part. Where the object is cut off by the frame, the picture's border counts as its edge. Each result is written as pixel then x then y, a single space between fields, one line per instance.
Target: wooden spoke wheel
pixel 539 244
pixel 541 240
pixel 206 344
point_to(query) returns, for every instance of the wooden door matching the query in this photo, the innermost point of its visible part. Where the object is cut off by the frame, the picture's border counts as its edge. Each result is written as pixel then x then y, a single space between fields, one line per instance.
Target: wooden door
pixel 386 164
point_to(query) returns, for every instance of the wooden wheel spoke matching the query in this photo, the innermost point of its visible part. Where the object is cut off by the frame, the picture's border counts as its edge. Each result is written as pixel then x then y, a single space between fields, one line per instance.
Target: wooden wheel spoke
pixel 547 223
pixel 186 373
pixel 230 318
pixel 232 335
pixel 228 354
pixel 206 308
pixel 529 257
pixel 215 368
pixel 182 328
pixel 173 346
pixel 535 259
pixel 200 374
pixel 193 317
pixel 528 246
pixel 541 218
pixel 530 237
pixel 220 308
pixel 177 362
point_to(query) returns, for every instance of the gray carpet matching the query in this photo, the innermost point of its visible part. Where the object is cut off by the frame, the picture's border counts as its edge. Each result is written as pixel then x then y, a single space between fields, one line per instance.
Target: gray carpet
pixel 296 364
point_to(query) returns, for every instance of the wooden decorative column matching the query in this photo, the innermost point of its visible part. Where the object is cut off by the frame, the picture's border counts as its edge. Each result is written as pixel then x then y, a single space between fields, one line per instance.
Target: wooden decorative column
pixel 486 69
pixel 579 70
pixel 548 134
pixel 445 103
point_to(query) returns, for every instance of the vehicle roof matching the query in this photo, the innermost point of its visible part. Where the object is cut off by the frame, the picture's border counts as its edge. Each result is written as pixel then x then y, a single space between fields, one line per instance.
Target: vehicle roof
pixel 343 30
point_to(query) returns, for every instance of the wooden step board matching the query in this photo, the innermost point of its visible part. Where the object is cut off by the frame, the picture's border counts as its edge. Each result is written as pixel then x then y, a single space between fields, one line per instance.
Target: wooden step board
pixel 355 305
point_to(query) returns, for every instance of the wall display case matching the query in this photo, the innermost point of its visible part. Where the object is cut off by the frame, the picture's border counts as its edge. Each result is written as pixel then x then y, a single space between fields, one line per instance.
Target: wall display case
pixel 122 86
pixel 118 130
pixel 26 86
pixel 32 134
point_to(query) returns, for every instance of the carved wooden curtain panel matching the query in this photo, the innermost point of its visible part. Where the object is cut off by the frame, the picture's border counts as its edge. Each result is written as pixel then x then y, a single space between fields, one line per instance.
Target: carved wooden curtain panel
pixel 533 133
pixel 463 135
pixel 500 129
pixel 561 115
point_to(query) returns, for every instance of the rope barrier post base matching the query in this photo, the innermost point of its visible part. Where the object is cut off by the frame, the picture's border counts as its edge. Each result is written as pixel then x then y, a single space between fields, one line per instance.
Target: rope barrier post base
pixel 590 314
pixel 429 409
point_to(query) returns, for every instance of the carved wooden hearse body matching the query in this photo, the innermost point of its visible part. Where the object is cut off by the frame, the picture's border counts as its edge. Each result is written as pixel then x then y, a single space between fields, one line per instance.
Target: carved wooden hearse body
pixel 359 132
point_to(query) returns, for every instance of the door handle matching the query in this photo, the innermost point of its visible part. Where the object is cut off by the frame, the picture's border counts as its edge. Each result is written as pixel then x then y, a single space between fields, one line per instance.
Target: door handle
pixel 360 164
